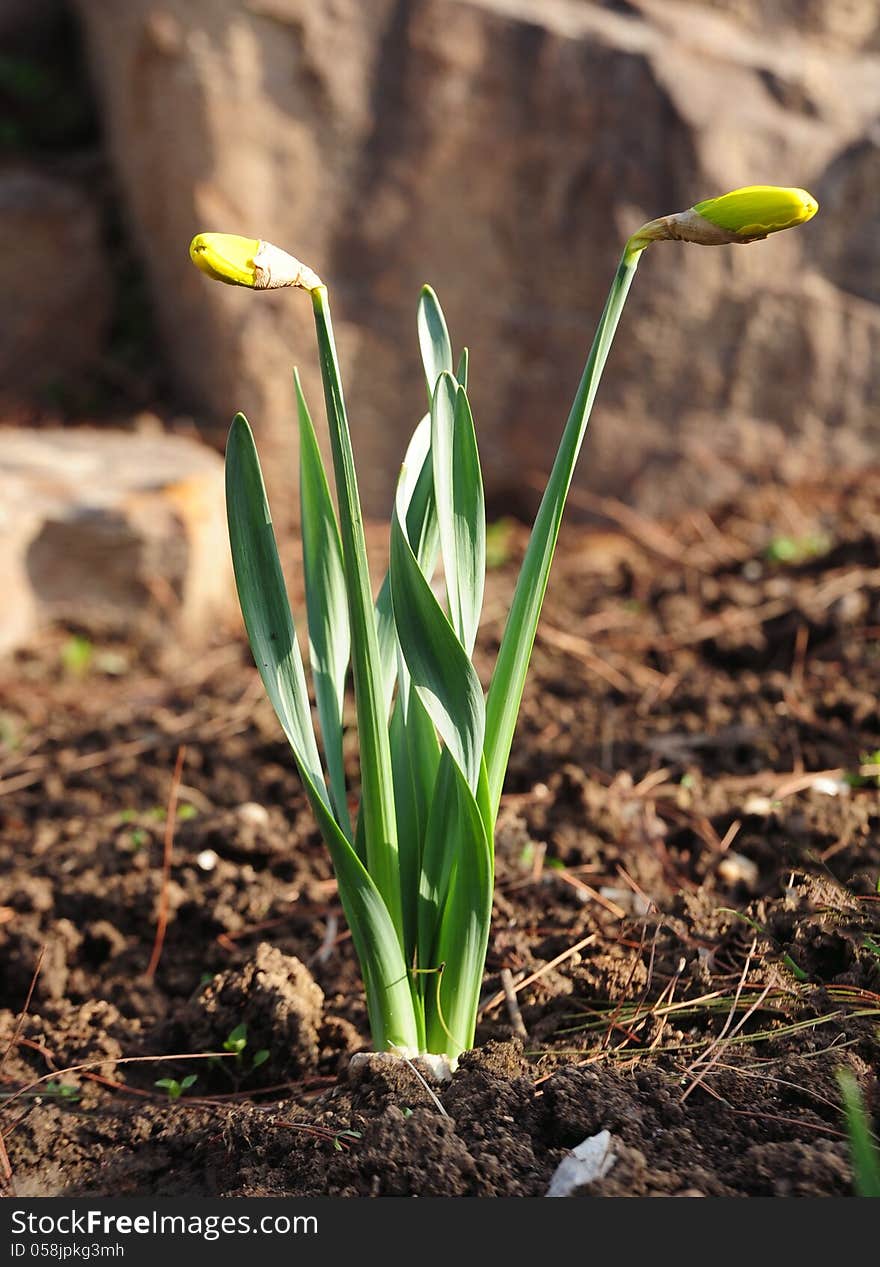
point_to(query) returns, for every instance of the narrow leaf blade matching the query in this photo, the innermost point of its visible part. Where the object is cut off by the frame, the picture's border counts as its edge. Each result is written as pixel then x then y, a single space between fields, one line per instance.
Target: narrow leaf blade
pixel 377 785
pixel 263 598
pixel 461 512
pixel 415 495
pixel 415 756
pixel 452 988
pixel 440 669
pixel 326 603
pixel 434 342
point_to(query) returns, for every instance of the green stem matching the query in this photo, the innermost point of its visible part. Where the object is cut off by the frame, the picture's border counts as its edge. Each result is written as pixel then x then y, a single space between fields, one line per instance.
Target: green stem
pixel 508 679
pixel 377 792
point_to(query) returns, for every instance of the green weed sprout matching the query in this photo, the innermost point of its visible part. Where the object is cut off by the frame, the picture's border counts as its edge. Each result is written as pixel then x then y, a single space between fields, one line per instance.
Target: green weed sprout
pixel 864 1151
pixel 174 1089
pixel 415 865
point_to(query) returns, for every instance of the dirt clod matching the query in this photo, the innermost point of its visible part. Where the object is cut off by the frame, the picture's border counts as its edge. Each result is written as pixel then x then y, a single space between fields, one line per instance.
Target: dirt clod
pixel 277 1001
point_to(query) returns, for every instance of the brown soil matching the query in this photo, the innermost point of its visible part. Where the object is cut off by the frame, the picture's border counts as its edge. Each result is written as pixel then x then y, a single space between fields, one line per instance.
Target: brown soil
pixel 702 911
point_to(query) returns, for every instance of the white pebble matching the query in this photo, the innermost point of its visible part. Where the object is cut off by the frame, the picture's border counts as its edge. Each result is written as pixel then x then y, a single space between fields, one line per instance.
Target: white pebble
pixel 736 868
pixel 251 812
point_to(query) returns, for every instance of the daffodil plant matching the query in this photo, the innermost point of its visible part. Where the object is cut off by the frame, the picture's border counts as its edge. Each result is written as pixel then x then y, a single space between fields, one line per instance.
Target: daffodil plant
pixel 415 863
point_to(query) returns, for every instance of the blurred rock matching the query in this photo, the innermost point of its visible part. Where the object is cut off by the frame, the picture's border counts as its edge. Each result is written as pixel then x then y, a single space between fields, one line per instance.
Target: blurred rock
pixel 503 150
pixel 26 22
pixel 56 300
pixel 110 529
pixel 850 23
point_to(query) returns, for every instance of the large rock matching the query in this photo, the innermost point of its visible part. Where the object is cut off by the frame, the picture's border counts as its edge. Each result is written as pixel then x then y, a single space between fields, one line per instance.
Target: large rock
pixel 25 23
pixel 56 295
pixel 846 23
pixel 503 149
pixel 111 529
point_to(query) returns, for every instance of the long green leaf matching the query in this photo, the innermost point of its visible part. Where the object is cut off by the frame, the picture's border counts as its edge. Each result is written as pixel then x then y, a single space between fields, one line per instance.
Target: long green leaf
pixel 270 628
pixel 434 341
pixel 440 669
pixel 864 1151
pixel 452 991
pixel 415 756
pixel 440 850
pixel 461 511
pixel 416 494
pixel 377 787
pixel 326 602
pixel 263 598
pixel 508 679
pixel 440 845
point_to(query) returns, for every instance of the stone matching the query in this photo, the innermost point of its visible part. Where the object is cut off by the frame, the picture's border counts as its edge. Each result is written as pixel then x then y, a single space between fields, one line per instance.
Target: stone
pixel 56 293
pixel 111 529
pixel 23 23
pixel 848 23
pixel 503 150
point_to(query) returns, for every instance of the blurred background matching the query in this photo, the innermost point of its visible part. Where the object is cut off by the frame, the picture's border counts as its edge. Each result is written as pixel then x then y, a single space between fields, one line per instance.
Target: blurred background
pixel 501 150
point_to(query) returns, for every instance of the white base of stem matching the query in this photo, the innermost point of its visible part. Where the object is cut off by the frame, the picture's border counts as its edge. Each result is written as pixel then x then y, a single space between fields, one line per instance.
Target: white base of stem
pixel 440 1068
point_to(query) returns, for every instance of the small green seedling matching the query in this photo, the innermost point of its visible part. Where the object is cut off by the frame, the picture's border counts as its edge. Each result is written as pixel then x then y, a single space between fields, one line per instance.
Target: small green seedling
pixel 863 1147
pixel 415 865
pixel 868 773
pixel 499 542
pixel 60 1090
pixel 783 549
pixel 341 1136
pixel 175 1089
pixel 137 837
pixel 237 1043
pixel 77 654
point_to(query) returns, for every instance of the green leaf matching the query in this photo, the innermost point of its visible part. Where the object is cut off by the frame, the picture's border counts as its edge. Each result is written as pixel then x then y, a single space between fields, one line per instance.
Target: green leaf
pixel 415 756
pixel 326 603
pixel 440 850
pixel 264 604
pixel 452 992
pixel 508 679
pixel 438 855
pixel 461 372
pixel 237 1040
pixel 273 641
pixel 377 786
pixel 440 669
pixel 864 1151
pixel 416 493
pixel 461 512
pixel 433 339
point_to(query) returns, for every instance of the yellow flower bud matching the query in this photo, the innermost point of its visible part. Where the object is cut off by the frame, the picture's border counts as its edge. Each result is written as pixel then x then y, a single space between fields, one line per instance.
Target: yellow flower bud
pixel 744 215
pixel 757 210
pixel 226 257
